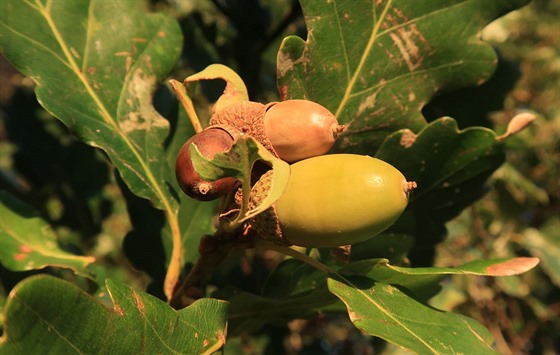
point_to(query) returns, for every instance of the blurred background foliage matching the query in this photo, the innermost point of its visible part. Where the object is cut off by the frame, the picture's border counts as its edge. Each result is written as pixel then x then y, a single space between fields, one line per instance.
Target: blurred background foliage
pixel 74 187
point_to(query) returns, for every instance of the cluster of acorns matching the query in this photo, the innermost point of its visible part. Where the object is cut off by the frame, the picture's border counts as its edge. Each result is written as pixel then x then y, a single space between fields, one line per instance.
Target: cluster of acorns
pixel 330 200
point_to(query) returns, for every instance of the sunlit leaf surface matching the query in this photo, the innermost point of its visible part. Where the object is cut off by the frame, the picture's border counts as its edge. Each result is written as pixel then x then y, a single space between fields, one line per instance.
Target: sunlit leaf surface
pixel 46 315
pixel 376 64
pixel 28 242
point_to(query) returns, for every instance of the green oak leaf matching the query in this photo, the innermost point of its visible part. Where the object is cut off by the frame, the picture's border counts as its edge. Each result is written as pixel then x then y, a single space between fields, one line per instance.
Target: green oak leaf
pixel 44 314
pixel 290 277
pixel 388 301
pixel 27 242
pixel 424 281
pixel 390 245
pixel 450 168
pixel 95 69
pixel 249 312
pixel 386 311
pixel 375 64
pixel 422 286
pixel 493 267
pixel 449 165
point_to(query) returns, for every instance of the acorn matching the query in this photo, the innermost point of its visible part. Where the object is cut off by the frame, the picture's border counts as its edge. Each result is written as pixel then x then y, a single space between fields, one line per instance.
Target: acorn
pixel 300 129
pixel 332 200
pixel 209 142
pixel 292 130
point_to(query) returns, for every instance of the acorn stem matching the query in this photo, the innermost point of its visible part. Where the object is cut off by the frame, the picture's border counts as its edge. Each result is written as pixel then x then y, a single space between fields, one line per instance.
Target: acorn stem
pixel 186 101
pixel 409 186
pixel 246 194
pixel 260 243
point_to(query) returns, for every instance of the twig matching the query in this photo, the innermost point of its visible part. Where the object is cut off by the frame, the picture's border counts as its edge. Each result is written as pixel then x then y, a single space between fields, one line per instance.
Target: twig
pixel 263 244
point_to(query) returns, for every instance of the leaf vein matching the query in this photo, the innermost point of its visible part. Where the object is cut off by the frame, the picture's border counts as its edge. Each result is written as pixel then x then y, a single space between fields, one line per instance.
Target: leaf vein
pixel 342 41
pixel 152 184
pixel 363 58
pixel 49 325
pixel 387 313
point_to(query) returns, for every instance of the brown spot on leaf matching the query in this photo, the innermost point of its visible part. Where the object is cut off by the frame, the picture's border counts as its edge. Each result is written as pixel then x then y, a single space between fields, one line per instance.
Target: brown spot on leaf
pixel 142 115
pixel 368 102
pixel 138 302
pixel 389 289
pixel 118 310
pixel 25 249
pixel 354 317
pixel 512 267
pixel 408 138
pixel 286 63
pixel 410 42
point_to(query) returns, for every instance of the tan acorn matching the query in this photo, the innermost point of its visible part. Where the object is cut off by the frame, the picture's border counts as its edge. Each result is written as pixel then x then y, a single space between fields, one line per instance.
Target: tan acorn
pixel 332 200
pixel 300 129
pixel 292 130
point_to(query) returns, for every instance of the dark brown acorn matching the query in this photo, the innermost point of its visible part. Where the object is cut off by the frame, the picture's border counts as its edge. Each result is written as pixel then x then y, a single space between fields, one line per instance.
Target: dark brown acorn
pixel 209 142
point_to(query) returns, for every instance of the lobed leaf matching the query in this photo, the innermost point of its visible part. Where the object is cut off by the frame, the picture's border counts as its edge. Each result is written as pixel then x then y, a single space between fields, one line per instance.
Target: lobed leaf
pixel 449 166
pixel 44 314
pixel 376 64
pixel 390 245
pixel 495 267
pixel 383 310
pixel 96 70
pixel 27 242
pixel 291 277
pixel 444 162
pixel 413 278
pixel 422 286
pixel 249 312
pixel 387 301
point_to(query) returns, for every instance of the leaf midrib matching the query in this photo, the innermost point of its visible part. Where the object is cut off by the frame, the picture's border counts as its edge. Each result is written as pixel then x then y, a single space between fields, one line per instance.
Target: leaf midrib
pixel 43 249
pixel 385 311
pixel 104 113
pixel 49 325
pixel 363 58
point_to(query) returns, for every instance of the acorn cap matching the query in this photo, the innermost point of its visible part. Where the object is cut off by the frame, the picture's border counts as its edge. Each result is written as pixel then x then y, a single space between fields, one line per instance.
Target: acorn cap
pixel 246 117
pixel 266 223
